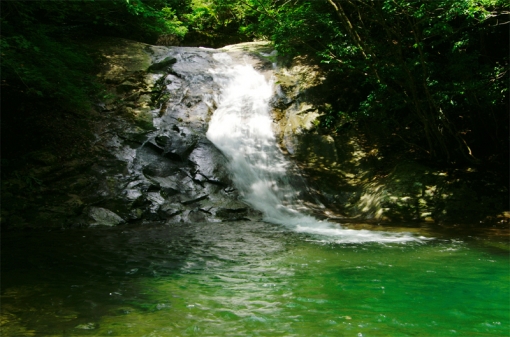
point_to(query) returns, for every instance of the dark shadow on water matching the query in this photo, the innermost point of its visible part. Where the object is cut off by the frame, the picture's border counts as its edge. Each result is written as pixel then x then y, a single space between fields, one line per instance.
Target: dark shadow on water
pixel 71 277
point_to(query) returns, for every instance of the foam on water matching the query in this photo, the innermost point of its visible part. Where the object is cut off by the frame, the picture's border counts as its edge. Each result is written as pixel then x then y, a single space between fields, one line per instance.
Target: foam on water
pixel 241 127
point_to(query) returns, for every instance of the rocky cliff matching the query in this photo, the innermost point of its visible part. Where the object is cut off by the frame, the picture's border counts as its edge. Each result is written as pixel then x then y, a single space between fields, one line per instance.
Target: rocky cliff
pixel 149 160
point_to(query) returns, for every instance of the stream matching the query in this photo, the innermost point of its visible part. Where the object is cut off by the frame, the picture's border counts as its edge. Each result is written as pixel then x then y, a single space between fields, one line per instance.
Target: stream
pixel 288 274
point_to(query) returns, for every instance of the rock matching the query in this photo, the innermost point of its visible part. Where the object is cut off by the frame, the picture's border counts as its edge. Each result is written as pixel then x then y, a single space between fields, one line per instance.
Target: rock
pixel 298 121
pixel 197 215
pixel 162 65
pixel 127 87
pixel 104 217
pixel 179 145
pixel 168 192
pixel 163 168
pixel 317 148
pixel 229 214
pixel 86 326
pixel 171 209
pixel 162 141
pixel 123 57
pixel 192 201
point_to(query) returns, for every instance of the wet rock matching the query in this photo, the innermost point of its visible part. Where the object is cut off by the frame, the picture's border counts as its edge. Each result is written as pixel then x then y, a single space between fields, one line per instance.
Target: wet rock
pixel 194 200
pixel 162 65
pixel 104 217
pixel 141 202
pixel 179 145
pixel 171 209
pixel 151 216
pixel 164 168
pixel 232 214
pixel 168 192
pixel 197 215
pixel 162 141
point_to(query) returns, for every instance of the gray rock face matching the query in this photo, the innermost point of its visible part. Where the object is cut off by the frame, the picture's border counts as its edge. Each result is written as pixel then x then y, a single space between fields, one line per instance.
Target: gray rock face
pixel 150 160
pixel 171 169
pixel 153 161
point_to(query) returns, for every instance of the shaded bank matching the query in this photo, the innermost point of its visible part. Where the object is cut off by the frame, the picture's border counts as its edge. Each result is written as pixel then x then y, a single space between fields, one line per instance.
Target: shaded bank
pixel 357 172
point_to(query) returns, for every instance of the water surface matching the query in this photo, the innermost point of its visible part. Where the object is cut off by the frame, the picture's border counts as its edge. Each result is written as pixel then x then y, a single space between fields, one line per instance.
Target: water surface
pixel 252 279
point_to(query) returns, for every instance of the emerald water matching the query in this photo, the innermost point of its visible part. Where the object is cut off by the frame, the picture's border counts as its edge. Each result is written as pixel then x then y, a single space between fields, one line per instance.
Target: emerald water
pixel 252 279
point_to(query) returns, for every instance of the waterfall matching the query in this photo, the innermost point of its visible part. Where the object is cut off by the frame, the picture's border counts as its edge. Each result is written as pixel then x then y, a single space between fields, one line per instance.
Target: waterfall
pixel 241 127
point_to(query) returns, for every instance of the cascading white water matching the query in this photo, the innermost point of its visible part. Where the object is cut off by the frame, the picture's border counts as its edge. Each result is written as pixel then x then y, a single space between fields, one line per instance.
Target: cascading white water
pixel 241 127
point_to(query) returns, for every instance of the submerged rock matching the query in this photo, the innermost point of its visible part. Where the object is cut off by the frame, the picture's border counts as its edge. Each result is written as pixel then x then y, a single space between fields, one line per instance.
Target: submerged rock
pixel 86 326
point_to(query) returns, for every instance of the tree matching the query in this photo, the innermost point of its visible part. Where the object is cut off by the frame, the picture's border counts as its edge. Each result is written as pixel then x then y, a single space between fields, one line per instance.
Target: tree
pixel 432 73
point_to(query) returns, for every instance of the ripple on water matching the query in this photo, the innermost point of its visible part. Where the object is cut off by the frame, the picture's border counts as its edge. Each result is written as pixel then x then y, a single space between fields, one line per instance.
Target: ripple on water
pixel 202 279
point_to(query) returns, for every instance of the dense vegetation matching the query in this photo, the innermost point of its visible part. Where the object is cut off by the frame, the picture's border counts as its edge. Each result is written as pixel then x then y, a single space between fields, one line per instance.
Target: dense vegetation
pixel 432 74
pixel 426 78
pixel 47 75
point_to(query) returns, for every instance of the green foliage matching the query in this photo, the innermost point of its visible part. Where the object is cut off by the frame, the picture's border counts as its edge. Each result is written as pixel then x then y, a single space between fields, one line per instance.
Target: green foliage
pixel 172 24
pixel 27 181
pixel 219 22
pixel 38 67
pixel 434 74
pixel 40 54
pixel 48 77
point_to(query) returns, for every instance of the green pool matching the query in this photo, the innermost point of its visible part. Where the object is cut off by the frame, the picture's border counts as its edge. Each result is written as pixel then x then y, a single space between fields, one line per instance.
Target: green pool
pixel 253 279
